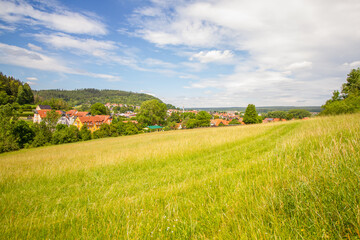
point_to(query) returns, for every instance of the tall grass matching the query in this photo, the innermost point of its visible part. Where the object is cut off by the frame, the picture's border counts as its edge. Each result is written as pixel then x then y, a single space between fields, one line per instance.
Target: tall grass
pixel 293 180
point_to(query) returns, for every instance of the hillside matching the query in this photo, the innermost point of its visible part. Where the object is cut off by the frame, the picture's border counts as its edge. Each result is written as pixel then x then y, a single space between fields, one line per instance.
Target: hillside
pixel 89 95
pixel 292 180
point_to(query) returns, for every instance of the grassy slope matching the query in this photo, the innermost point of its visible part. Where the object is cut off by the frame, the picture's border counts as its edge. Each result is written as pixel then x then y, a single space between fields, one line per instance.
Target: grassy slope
pixel 299 179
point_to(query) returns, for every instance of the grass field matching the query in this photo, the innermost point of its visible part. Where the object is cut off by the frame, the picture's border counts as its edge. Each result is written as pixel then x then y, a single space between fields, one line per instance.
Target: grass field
pixel 292 180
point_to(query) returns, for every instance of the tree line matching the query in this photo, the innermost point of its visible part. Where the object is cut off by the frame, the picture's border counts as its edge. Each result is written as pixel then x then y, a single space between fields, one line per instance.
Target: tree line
pixel 89 96
pixel 16 134
pixel 14 91
pixel 348 99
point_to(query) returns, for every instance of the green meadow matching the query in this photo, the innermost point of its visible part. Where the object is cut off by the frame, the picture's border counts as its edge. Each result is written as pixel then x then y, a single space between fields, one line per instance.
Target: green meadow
pixel 288 180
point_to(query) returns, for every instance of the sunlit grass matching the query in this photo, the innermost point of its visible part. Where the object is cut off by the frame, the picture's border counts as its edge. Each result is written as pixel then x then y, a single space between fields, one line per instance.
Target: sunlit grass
pixel 298 179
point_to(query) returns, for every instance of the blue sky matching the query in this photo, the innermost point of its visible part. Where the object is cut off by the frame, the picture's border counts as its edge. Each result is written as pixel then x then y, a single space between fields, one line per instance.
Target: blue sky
pixel 198 53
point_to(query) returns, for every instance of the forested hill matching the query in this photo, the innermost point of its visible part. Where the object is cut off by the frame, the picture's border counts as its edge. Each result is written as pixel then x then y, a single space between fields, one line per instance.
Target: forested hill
pixel 90 96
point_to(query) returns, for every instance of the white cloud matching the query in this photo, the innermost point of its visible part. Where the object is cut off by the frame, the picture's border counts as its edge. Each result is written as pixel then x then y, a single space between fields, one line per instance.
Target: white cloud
pixel 147 92
pixel 31 83
pixel 286 45
pixel 34 47
pixel 32 79
pixel 19 11
pixel 213 56
pixel 88 46
pixel 158 62
pixel 300 65
pixel 103 50
pixel 17 56
pixel 7 28
pixel 353 64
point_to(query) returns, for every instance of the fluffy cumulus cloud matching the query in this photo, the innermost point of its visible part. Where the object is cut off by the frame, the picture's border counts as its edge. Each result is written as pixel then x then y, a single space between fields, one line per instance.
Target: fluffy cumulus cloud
pixel 18 11
pixel 298 47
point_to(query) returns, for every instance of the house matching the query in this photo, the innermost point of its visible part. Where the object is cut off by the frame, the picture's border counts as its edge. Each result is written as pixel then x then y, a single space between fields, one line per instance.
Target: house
pixel 65 120
pixel 128 114
pixel 217 122
pixel 170 111
pixel 267 120
pixel 179 126
pixel 43 107
pixel 39 115
pixel 93 123
pixel 73 113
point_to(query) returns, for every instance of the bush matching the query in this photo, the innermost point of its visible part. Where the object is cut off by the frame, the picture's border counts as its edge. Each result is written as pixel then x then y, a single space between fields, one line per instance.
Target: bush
pixel 66 135
pixel 85 134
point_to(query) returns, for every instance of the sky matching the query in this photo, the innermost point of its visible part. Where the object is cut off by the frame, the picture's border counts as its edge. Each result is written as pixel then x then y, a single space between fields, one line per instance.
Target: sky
pixel 196 53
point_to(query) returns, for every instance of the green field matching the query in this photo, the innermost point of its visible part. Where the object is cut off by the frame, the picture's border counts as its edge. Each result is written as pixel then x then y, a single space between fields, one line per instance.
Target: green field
pixel 292 180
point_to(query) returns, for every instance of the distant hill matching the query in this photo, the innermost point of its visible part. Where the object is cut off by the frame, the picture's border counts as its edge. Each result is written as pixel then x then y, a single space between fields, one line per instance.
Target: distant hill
pixel 263 109
pixel 90 96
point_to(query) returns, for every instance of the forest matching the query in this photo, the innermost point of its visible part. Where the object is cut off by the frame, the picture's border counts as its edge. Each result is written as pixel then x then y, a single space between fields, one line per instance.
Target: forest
pixel 14 91
pixel 91 96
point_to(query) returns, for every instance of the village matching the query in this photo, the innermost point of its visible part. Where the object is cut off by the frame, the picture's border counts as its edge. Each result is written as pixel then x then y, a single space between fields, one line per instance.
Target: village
pixel 93 123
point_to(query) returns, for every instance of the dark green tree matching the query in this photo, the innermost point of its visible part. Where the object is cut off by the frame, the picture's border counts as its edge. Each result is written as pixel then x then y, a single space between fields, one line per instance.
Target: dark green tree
pixel 8 120
pixel 234 122
pixel 349 99
pixel 85 133
pixel 98 109
pixel 152 112
pixel 21 96
pixel 43 135
pixel 170 106
pixel 29 96
pixel 4 98
pixel 188 115
pixel 66 135
pixel 104 131
pixel 174 117
pixel 251 115
pixel 191 123
pixel 203 119
pixel 130 129
pixel 299 113
pixel 352 85
pixel 276 114
pixel 23 133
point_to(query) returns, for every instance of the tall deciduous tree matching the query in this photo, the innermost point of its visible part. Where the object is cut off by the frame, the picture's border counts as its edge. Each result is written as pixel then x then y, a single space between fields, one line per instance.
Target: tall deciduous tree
pixel 152 112
pixel 251 115
pixel 98 109
pixel 352 85
pixel 51 119
pixel 203 119
pixel 349 100
pixel 29 96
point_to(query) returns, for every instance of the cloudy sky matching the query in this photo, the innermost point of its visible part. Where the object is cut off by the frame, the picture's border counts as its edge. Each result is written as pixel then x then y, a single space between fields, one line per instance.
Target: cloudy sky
pixel 196 53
